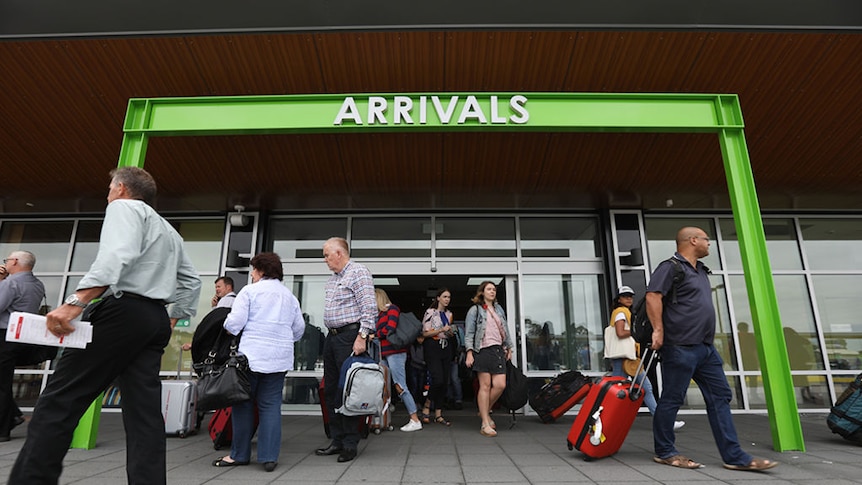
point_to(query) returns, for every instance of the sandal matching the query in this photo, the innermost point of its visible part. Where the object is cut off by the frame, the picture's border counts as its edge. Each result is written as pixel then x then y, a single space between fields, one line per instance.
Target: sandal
pixel 487 431
pixel 425 418
pixel 440 419
pixel 756 465
pixel 678 461
pixel 221 462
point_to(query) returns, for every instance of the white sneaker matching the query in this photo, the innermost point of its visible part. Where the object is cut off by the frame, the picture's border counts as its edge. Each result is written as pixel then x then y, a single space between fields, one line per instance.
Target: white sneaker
pixel 678 424
pixel 411 426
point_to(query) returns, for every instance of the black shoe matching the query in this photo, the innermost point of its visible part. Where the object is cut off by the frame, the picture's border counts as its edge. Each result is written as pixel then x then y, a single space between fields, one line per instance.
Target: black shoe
pixel 18 420
pixel 3 439
pixel 329 450
pixel 221 462
pixel 458 405
pixel 347 454
pixel 270 466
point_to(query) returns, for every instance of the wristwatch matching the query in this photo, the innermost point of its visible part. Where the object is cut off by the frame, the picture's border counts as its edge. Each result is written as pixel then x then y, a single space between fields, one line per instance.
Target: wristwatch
pixel 363 335
pixel 73 300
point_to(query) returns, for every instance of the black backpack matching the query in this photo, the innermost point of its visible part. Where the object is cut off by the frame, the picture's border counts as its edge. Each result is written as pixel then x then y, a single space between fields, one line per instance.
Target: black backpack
pixel 641 327
pixel 514 395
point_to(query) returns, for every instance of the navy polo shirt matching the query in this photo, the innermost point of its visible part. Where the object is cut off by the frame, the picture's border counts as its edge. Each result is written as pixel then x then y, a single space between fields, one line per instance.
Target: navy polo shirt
pixel 691 320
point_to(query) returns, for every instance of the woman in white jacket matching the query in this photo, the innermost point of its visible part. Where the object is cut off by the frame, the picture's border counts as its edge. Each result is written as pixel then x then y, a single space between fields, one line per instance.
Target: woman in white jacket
pixel 269 317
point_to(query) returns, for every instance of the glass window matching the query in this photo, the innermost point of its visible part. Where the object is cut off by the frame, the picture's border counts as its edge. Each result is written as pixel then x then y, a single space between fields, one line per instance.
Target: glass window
pixel 661 239
pixel 839 317
pixel 86 245
pixel 564 317
pixel 628 232
pixel 202 242
pixel 723 328
pixel 475 237
pixel 832 243
pixel 310 291
pixel 391 237
pixel 780 244
pixel 303 238
pixel 797 318
pixel 48 241
pixel 559 237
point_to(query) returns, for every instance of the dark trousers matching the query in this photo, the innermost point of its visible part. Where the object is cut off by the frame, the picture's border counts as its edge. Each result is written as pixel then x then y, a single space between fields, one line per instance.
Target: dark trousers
pixel 438 359
pixel 9 353
pixel 336 349
pixel 129 337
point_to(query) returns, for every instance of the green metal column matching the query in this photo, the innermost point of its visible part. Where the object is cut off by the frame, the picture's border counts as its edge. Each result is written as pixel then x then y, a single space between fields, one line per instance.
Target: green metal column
pixel 774 362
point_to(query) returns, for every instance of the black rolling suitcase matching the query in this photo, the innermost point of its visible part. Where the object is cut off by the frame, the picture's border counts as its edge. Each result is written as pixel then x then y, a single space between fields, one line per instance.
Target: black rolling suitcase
pixel 559 395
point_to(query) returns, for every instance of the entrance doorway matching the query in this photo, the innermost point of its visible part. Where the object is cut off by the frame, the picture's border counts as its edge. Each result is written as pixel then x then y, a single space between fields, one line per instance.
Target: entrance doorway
pixel 415 293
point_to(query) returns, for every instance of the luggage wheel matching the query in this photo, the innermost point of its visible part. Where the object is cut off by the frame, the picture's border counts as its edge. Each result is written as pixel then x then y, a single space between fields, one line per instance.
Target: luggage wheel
pixel 390 428
pixel 377 430
pixel 569 444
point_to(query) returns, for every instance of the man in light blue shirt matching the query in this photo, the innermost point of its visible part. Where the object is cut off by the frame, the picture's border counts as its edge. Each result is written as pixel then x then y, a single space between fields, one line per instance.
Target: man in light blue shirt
pixel 140 268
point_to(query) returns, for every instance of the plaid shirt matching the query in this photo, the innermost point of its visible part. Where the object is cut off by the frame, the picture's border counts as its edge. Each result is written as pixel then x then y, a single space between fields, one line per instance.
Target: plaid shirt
pixel 350 298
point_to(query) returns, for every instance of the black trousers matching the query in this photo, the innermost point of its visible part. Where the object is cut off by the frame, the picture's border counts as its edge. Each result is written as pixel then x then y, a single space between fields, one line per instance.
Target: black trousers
pixel 438 359
pixel 9 353
pixel 129 337
pixel 336 349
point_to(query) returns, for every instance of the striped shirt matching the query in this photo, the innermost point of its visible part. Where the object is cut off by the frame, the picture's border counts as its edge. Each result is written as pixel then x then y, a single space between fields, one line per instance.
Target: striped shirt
pixel 350 298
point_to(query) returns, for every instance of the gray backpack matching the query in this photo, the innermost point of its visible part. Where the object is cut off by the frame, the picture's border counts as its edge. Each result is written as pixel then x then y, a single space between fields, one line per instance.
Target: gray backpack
pixel 361 382
pixel 406 331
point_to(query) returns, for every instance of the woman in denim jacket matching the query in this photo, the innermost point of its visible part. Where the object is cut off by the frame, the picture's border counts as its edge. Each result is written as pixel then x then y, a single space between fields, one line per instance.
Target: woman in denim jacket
pixel 488 348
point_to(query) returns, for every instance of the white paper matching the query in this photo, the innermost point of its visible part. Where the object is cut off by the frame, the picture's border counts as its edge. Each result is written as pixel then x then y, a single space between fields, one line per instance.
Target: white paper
pixel 29 328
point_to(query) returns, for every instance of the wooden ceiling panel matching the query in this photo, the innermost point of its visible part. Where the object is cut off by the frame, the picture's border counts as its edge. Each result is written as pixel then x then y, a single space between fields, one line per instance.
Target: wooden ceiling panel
pixel 381 62
pixel 507 61
pixel 257 64
pixel 63 105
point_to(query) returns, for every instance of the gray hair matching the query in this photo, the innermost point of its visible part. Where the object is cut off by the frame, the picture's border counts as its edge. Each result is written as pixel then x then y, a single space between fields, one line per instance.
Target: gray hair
pixel 25 258
pixel 138 182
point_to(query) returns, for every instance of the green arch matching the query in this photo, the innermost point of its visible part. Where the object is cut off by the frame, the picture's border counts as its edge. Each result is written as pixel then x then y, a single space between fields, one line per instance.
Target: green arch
pixel 545 112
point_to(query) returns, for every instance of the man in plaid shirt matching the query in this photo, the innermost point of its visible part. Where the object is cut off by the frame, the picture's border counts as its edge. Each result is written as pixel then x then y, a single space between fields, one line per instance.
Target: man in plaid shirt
pixel 350 314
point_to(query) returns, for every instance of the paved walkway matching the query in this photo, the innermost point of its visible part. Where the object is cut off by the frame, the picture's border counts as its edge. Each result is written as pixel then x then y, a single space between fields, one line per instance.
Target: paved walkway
pixel 530 452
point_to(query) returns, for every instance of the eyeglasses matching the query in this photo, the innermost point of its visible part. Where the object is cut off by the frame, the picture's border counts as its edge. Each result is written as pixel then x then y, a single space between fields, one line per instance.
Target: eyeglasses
pixel 9 259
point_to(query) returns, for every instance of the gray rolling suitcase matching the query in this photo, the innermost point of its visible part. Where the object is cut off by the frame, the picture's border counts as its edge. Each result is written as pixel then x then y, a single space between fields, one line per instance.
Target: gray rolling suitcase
pixel 179 398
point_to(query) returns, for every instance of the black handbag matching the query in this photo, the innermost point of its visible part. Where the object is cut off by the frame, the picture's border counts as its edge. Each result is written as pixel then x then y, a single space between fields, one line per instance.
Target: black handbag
pixel 223 385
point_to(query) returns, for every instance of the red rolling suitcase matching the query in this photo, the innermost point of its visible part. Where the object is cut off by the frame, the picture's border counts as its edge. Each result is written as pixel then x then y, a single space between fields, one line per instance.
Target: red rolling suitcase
pixel 559 395
pixel 220 427
pixel 607 414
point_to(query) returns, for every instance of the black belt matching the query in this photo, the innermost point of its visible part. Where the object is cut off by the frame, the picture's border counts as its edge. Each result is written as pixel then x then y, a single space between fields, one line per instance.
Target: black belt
pixel 344 328
pixel 140 297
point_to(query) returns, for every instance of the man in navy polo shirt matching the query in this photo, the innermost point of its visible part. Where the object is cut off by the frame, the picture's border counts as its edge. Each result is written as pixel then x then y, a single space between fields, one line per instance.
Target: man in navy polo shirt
pixel 684 330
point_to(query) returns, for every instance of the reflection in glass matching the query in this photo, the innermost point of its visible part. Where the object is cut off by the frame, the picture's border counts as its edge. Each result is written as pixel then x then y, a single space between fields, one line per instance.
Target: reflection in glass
pixel 475 237
pixel 661 239
pixel 723 327
pixel 563 317
pixel 391 237
pixel 86 245
pixel 694 397
pixel 780 244
pixel 303 237
pixel 559 237
pixel 837 302
pixel 310 291
pixel 202 241
pixel 832 243
pixel 797 318
pixel 48 241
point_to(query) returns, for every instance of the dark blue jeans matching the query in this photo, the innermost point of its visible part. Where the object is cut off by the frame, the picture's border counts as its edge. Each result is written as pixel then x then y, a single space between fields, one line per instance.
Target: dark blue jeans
pixel 679 365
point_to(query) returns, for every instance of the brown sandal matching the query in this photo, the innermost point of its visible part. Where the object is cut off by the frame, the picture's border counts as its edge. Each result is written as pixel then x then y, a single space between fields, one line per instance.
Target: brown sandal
pixel 678 461
pixel 756 465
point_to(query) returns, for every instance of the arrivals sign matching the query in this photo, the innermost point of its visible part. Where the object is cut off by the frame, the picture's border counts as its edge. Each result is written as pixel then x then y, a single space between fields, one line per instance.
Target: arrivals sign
pixel 434 109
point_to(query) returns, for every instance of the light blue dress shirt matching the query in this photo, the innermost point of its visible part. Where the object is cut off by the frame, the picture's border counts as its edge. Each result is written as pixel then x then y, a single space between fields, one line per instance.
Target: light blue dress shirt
pixel 269 317
pixel 140 252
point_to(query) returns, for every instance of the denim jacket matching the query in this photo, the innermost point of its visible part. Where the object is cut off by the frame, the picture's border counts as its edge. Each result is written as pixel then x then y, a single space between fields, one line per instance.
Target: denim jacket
pixel 475 327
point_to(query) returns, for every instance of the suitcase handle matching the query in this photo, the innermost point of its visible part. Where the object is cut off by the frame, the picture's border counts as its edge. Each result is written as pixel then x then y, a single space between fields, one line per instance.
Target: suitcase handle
pixel 637 387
